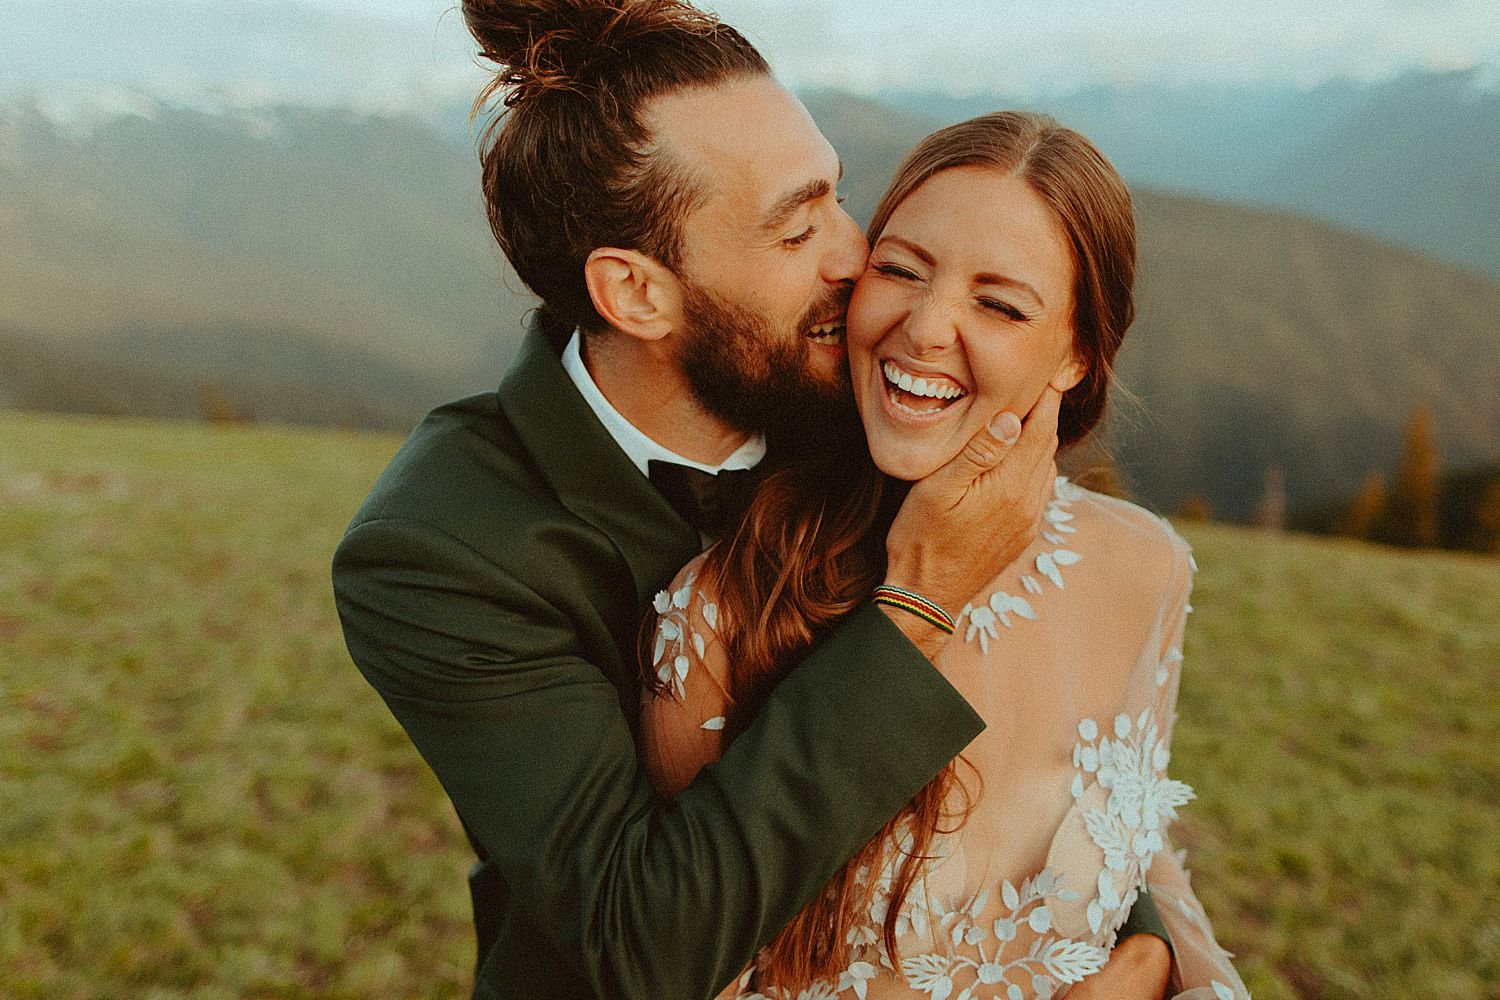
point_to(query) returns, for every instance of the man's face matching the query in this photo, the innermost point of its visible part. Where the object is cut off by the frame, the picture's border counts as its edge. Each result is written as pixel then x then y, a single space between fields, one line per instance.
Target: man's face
pixel 769 256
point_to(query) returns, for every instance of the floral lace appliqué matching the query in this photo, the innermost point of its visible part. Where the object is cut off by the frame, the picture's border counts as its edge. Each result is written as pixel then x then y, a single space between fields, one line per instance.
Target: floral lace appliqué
pixel 984 620
pixel 980 952
pixel 1142 802
pixel 991 969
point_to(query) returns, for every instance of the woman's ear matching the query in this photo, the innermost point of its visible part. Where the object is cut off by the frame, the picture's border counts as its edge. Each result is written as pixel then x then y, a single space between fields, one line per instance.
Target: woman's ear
pixel 1069 373
pixel 633 293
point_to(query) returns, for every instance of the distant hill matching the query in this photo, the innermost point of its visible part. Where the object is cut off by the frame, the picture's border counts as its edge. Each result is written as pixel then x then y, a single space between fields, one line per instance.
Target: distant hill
pixel 1265 339
pixel 1419 164
pixel 334 226
pixel 321 266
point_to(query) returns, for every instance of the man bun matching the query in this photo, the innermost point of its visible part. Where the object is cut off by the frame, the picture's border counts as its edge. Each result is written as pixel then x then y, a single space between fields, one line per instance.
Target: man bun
pixel 541 46
pixel 570 160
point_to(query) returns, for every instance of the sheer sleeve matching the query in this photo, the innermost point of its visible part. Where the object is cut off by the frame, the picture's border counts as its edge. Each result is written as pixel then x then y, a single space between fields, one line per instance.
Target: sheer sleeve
pixel 1200 968
pixel 682 720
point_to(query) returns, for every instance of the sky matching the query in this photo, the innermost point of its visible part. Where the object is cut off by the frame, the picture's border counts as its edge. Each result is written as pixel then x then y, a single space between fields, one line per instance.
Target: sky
pixel 390 54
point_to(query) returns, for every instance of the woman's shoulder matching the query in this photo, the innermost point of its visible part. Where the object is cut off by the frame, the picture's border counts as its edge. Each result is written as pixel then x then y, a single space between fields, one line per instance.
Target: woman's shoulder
pixel 1136 543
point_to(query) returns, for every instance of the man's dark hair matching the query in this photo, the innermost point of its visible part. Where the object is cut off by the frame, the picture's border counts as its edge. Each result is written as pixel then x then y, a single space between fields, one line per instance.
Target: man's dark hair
pixel 569 165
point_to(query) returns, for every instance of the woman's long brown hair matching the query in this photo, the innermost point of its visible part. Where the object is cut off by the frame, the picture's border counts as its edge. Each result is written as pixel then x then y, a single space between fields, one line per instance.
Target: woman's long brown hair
pixel 808 551
pixel 812 545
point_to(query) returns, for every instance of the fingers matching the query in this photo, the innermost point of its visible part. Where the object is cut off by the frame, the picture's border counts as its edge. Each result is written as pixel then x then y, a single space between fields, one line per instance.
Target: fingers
pixel 1031 444
pixel 1037 446
pixel 1041 422
pixel 987 447
pixel 1006 427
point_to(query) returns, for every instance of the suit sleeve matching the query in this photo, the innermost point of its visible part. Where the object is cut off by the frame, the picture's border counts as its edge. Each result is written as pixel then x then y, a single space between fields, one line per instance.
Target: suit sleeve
pixel 650 899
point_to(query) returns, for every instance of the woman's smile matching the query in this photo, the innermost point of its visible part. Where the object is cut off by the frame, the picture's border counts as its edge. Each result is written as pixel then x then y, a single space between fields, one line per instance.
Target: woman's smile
pixel 918 394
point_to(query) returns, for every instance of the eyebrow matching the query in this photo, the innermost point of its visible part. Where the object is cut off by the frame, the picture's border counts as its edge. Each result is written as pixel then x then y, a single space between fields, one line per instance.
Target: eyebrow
pixel 789 203
pixel 983 278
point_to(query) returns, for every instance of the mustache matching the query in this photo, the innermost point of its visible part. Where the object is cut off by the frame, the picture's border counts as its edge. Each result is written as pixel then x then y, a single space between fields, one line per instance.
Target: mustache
pixel 835 301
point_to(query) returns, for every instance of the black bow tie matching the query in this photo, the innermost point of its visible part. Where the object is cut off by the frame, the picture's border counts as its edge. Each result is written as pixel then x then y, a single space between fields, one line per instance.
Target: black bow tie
pixel 708 501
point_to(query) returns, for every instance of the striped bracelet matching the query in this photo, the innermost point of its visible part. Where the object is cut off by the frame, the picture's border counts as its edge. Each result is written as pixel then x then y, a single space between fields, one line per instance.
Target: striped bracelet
pixel 910 600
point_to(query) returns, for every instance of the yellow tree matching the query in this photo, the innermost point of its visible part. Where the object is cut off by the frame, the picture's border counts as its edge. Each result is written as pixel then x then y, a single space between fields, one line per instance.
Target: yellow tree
pixel 1195 508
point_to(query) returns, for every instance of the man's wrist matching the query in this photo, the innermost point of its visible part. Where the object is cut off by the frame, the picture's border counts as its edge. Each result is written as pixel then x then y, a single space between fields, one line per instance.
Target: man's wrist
pixel 914 603
pixel 928 639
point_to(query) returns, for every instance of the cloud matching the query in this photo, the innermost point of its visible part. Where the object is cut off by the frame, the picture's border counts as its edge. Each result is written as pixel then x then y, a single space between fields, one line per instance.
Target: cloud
pixel 1033 47
pixel 385 54
pixel 297 51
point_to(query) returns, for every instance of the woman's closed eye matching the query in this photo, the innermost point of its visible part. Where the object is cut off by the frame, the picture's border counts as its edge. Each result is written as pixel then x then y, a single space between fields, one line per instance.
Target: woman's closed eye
pixel 1005 309
pixel 895 271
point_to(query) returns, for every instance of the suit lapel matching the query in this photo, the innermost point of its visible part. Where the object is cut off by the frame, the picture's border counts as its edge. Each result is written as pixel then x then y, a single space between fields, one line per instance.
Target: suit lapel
pixel 588 471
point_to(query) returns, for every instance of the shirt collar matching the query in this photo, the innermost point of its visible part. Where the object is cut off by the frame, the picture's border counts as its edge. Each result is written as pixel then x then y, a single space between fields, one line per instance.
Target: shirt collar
pixel 640 448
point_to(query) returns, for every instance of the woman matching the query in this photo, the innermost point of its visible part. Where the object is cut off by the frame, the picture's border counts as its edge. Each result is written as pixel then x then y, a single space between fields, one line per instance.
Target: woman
pixel 1001 268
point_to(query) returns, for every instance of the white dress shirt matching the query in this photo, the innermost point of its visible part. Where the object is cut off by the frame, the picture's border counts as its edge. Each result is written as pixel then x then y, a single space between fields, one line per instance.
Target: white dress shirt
pixel 635 443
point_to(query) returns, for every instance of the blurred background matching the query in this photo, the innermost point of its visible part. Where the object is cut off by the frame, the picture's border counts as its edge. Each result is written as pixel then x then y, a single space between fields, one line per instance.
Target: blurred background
pixel 242 249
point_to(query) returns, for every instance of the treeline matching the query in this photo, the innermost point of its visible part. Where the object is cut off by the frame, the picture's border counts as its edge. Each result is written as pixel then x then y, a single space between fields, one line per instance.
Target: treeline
pixel 1414 505
pixel 212 375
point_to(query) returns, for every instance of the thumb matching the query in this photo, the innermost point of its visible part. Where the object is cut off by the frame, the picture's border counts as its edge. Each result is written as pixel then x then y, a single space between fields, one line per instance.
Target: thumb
pixel 986 448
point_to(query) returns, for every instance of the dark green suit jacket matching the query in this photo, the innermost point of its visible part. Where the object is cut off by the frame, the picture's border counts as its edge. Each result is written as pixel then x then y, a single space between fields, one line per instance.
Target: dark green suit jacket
pixel 491 589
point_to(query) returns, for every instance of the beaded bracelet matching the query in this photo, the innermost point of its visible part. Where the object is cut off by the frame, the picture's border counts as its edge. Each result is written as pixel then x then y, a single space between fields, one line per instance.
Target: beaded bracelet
pixel 910 600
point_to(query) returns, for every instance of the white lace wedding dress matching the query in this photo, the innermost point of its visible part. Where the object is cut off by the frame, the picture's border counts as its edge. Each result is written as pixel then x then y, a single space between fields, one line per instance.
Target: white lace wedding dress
pixel 1072 656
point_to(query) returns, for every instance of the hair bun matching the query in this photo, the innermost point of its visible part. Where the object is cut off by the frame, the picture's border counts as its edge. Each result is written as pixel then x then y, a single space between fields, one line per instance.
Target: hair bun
pixel 547 45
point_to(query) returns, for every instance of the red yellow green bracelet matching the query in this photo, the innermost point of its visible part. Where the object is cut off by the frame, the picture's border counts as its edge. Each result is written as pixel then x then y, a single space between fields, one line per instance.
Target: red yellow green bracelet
pixel 910 600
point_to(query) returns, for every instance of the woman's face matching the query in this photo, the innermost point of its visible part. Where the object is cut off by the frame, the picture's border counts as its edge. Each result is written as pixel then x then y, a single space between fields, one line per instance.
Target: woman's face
pixel 965 309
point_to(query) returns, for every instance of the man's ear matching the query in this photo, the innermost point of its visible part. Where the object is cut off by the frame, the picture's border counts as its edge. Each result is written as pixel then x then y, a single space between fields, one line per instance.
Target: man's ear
pixel 1069 373
pixel 632 292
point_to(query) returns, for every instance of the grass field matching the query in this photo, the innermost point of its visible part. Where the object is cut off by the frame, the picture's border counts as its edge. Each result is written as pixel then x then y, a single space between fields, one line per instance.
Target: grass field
pixel 199 796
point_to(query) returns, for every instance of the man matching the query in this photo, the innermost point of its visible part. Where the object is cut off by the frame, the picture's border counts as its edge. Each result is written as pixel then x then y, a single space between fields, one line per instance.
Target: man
pixel 492 586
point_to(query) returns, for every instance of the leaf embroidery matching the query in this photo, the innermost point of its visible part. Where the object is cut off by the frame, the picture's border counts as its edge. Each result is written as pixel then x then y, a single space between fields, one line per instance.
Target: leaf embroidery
pixel 675 634
pixel 1069 961
pixel 985 619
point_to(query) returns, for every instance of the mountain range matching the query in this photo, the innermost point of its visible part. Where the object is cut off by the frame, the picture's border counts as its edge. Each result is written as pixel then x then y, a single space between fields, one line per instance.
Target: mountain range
pixel 325 266
pixel 1412 158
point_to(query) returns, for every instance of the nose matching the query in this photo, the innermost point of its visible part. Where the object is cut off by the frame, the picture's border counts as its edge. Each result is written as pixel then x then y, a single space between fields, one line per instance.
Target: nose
pixel 929 327
pixel 847 250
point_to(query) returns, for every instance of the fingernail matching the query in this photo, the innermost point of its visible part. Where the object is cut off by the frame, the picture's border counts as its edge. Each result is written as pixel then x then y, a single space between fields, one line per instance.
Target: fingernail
pixel 1006 426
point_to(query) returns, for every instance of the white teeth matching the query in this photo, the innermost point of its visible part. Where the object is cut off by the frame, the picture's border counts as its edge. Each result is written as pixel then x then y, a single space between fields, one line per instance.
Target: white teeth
pixel 920 386
pixel 827 333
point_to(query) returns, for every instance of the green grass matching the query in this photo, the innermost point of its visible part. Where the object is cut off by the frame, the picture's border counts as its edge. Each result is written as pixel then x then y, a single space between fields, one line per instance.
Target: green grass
pixel 200 797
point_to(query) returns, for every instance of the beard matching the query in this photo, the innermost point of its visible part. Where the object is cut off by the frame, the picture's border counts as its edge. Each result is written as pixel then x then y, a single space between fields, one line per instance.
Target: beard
pixel 757 379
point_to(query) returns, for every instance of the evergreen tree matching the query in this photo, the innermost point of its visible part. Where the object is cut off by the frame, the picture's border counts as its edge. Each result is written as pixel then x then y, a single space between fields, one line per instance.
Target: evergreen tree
pixel 1487 521
pixel 1411 516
